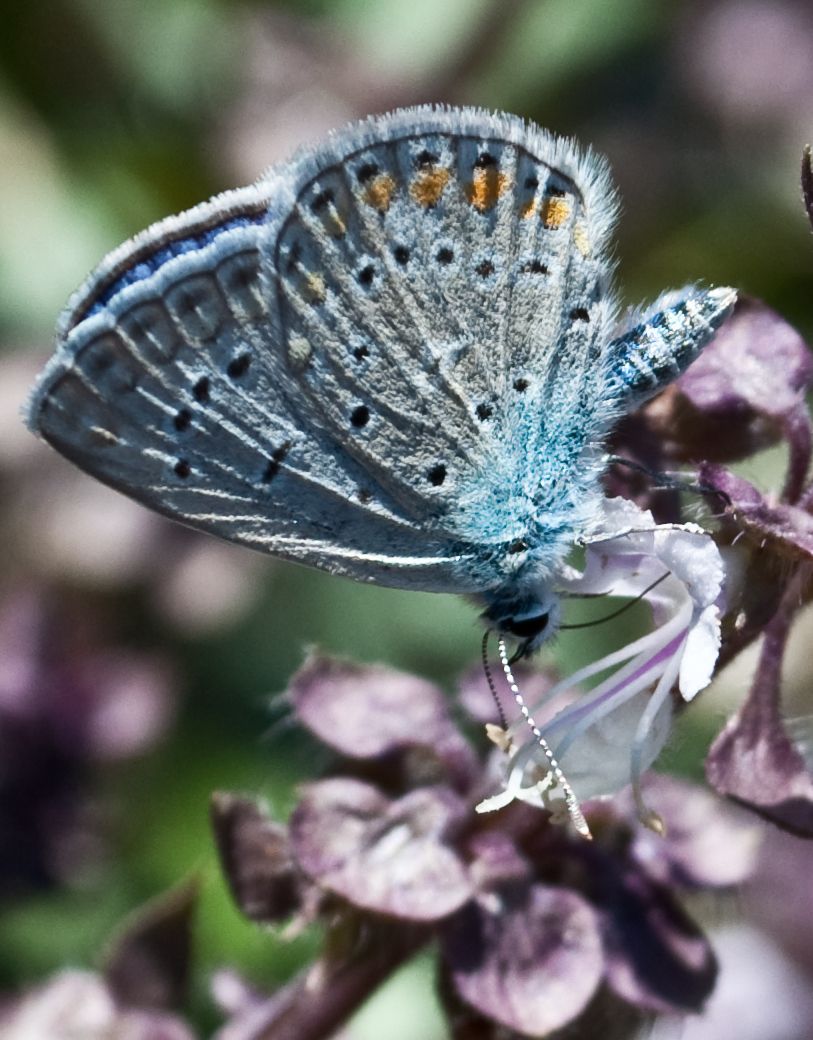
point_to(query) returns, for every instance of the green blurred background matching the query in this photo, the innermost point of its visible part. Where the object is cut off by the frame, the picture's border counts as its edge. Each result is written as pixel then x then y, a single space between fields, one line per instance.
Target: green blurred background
pixel 115 113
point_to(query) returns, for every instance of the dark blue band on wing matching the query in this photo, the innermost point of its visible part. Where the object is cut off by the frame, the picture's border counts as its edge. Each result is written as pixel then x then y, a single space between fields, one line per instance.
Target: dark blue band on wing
pixel 151 263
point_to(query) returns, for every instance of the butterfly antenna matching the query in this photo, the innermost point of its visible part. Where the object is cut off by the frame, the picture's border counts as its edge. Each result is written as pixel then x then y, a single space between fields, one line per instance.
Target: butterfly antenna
pixel 573 807
pixel 621 610
pixel 491 686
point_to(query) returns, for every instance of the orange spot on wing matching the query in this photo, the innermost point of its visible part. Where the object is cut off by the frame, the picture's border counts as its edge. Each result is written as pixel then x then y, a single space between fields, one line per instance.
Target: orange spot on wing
pixel 427 187
pixel 528 208
pixel 487 186
pixel 555 211
pixel 379 192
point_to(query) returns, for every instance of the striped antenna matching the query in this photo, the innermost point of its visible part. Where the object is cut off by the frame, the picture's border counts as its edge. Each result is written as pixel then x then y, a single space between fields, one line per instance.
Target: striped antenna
pixel 572 801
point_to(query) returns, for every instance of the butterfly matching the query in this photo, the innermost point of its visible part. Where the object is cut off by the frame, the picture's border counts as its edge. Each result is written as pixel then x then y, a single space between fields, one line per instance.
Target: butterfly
pixel 395 357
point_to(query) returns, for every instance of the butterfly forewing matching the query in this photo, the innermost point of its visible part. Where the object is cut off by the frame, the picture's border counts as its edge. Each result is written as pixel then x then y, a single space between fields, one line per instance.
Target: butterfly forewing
pixel 429 287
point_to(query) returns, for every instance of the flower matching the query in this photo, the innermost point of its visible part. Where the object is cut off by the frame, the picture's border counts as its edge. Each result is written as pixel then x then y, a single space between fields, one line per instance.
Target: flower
pixel 604 739
pixel 755 759
pixel 536 930
pixel 746 392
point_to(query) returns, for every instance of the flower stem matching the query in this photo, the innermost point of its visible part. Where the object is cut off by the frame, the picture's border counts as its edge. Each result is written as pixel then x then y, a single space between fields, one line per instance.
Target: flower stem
pixel 361 951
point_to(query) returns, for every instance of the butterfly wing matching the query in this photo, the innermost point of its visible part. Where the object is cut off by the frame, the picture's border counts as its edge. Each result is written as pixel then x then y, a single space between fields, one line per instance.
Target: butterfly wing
pixel 388 358
pixel 309 366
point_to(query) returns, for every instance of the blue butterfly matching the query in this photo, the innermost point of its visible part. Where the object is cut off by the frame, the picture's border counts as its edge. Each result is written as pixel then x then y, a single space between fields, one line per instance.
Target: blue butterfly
pixel 395 357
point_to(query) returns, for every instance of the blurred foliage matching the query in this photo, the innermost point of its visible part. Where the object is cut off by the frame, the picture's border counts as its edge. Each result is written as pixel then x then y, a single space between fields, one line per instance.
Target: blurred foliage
pixel 115 113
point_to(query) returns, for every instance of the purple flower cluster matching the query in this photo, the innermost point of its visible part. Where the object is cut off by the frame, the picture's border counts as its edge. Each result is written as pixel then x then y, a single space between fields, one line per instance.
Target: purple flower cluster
pixel 746 392
pixel 537 928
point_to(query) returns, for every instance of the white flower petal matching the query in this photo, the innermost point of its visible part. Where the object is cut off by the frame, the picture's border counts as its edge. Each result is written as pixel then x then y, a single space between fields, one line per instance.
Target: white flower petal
pixel 700 655
pixel 695 561
pixel 620 513
pixel 598 763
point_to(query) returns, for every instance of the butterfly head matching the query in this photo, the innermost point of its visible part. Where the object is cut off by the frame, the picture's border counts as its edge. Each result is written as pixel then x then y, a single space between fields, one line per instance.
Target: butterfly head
pixel 531 617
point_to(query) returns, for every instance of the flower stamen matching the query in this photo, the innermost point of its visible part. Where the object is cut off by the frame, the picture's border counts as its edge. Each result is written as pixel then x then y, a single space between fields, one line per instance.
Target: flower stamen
pixel 670 673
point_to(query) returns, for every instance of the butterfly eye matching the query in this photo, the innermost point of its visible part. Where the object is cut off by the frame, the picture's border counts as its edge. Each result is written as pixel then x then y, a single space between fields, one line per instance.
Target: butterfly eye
pixel 526 628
